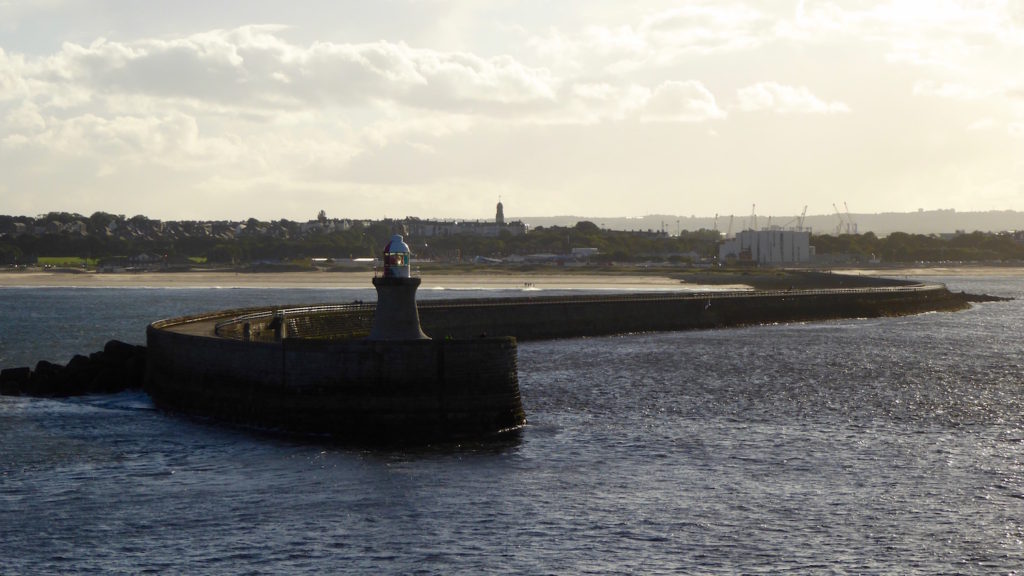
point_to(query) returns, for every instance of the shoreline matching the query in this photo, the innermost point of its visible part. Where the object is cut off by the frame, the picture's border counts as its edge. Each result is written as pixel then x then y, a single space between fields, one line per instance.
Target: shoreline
pixel 339 280
pixel 914 271
pixel 640 280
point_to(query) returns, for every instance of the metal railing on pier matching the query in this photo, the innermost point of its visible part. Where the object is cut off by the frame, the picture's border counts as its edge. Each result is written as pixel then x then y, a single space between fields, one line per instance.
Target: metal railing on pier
pixel 335 320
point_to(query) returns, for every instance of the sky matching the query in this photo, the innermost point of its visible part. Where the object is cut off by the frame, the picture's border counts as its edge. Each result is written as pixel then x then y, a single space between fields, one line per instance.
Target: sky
pixel 437 109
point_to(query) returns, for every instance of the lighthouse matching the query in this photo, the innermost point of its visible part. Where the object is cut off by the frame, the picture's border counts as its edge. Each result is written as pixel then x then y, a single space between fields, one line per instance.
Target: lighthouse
pixel 396 317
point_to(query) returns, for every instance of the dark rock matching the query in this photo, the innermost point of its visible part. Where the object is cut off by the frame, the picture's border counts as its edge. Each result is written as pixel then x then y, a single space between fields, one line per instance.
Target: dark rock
pixel 120 366
pixel 104 376
pixel 108 380
pixel 78 365
pixel 47 380
pixel 117 367
pixel 119 352
pixel 79 373
pixel 14 381
pixel 984 298
pixel 44 368
pixel 136 369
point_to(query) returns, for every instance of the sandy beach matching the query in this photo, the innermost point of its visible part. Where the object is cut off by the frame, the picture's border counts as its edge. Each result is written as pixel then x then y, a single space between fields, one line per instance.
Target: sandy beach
pixel 500 280
pixel 926 271
pixel 431 281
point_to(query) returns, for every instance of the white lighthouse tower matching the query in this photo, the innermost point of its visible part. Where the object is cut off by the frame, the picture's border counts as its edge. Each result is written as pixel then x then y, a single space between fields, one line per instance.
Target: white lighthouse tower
pixel 396 317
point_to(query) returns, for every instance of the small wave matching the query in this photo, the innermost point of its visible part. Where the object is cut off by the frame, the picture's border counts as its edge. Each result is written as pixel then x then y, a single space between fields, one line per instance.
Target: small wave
pixel 129 400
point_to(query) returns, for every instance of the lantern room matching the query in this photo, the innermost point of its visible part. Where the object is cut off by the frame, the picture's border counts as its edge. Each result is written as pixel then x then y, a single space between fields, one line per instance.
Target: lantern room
pixel 396 317
pixel 396 258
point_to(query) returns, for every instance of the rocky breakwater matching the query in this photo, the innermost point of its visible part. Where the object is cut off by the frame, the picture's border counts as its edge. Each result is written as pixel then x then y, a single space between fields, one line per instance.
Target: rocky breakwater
pixel 119 366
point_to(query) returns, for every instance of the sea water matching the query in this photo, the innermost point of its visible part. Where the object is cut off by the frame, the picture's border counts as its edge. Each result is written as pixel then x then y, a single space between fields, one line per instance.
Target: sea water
pixel 869 446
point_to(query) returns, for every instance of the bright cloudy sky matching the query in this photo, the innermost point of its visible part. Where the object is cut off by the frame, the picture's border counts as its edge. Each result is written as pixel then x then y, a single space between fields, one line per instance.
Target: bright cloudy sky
pixel 204 109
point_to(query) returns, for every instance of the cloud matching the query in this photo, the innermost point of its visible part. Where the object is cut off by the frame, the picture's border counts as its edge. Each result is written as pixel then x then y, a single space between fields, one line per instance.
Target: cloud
pixel 945 34
pixel 707 28
pixel 782 99
pixel 593 102
pixel 658 39
pixel 167 138
pixel 249 99
pixel 12 83
pixel 981 124
pixel 1016 10
pixel 253 66
pixel 952 91
pixel 687 101
pixel 582 99
pixel 24 119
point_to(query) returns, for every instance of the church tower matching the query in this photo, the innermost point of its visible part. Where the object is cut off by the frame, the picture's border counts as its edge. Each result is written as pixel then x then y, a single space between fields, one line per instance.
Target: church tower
pixel 500 216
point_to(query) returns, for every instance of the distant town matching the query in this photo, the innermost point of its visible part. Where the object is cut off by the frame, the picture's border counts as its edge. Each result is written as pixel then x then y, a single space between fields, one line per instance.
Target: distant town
pixel 112 242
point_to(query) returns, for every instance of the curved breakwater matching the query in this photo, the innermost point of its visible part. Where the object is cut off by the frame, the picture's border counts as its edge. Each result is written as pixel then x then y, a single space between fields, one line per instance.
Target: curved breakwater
pixel 312 370
pixel 548 317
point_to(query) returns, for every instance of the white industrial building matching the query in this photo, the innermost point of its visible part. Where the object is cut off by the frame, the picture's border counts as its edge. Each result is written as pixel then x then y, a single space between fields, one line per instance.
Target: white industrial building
pixel 773 246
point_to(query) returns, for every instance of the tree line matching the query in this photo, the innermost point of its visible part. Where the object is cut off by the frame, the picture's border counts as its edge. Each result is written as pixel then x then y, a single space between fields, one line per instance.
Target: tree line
pixel 284 240
pixel 361 240
pixel 903 247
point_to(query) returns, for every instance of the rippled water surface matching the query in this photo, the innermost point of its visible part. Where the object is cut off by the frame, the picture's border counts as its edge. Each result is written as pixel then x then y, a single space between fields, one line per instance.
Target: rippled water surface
pixel 860 446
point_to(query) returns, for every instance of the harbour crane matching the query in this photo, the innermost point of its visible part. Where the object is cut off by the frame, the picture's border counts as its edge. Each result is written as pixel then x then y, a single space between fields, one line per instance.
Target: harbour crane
pixel 797 223
pixel 842 223
pixel 851 226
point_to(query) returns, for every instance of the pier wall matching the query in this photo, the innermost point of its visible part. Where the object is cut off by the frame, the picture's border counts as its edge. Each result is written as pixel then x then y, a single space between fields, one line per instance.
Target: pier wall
pixel 569 317
pixel 545 317
pixel 377 391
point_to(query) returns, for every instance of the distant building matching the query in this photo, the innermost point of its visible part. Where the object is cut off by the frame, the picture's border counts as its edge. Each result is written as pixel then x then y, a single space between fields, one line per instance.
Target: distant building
pixel 774 246
pixel 77 227
pixel 441 228
pixel 324 225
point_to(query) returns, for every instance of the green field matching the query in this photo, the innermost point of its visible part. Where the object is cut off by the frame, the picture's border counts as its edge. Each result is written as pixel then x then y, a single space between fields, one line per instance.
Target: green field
pixel 67 261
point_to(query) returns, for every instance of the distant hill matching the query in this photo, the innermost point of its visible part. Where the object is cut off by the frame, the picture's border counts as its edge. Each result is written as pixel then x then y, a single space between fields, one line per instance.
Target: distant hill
pixel 920 222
